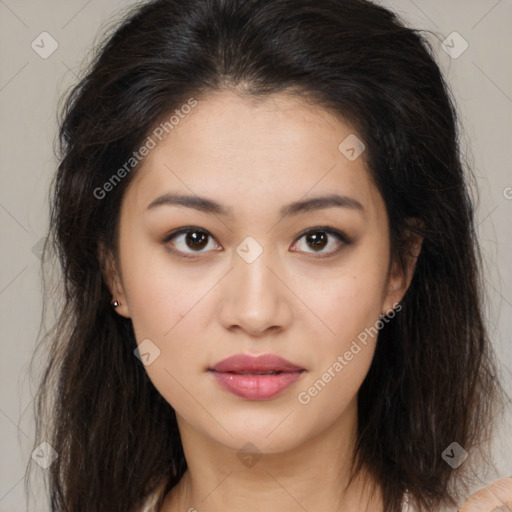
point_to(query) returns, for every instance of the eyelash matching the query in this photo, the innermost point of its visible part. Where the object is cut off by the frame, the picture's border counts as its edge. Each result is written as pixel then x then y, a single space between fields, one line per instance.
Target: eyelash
pixel 339 235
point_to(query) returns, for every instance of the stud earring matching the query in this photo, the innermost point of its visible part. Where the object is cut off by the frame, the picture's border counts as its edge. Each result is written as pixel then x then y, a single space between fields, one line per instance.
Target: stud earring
pixel 115 304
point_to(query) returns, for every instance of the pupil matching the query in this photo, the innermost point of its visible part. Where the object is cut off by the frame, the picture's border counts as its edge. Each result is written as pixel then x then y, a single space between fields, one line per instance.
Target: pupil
pixel 318 239
pixel 197 239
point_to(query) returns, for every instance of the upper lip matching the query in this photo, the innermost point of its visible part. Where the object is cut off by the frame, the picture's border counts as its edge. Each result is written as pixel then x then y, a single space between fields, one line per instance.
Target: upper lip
pixel 261 363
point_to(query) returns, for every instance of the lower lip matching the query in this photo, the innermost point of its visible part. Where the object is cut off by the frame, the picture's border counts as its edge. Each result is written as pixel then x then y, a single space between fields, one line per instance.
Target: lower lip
pixel 256 387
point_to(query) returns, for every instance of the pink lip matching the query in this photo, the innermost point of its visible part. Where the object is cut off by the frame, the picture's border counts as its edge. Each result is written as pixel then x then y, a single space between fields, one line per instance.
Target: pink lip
pixel 248 363
pixel 241 375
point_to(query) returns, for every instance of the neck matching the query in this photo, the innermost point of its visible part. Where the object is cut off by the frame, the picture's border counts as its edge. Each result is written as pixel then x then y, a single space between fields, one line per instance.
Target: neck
pixel 313 476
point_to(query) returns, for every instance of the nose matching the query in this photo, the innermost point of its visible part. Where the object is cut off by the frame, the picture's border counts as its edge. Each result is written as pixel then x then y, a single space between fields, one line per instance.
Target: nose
pixel 256 299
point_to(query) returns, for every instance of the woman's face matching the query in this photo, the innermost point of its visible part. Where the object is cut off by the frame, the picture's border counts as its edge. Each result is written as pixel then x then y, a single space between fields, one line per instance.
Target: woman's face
pixel 260 271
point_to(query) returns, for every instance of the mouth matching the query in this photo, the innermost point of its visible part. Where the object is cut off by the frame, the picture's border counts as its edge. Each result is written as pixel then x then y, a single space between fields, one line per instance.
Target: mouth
pixel 256 378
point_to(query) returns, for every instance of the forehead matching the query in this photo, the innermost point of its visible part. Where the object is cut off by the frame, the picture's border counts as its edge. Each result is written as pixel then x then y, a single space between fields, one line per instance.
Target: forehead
pixel 264 151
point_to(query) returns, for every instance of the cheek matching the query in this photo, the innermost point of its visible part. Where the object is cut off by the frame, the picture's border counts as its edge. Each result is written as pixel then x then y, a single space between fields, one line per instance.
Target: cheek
pixel 350 305
pixel 170 315
pixel 356 306
pixel 351 308
pixel 343 355
pixel 327 394
pixel 352 302
pixel 166 305
pixel 157 294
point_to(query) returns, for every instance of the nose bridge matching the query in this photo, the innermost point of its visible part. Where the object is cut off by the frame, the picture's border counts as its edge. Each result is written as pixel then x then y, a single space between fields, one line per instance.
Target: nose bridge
pixel 256 300
pixel 256 286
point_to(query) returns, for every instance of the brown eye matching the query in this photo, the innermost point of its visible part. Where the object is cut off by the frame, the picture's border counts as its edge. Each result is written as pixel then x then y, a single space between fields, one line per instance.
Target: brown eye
pixel 190 240
pixel 196 239
pixel 318 239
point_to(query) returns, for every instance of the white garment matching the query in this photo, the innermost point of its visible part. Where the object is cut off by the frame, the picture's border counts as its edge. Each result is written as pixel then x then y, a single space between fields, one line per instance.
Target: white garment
pixel 406 507
pixel 152 500
pixel 150 504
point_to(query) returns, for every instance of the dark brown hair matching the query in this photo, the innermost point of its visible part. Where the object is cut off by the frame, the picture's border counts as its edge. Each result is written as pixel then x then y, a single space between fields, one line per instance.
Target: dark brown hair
pixel 432 380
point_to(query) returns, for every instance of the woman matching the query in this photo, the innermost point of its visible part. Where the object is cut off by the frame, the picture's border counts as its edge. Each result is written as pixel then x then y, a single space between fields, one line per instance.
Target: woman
pixel 271 274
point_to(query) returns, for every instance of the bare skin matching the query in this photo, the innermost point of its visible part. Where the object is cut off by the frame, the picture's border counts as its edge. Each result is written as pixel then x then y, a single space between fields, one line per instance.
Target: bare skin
pixel 495 497
pixel 304 302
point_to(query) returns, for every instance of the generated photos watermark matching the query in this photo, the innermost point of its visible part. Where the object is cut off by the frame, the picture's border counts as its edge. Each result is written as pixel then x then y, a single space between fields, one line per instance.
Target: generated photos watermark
pixel 304 397
pixel 150 143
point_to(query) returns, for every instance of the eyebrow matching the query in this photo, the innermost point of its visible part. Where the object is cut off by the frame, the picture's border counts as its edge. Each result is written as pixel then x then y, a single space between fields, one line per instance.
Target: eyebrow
pixel 206 205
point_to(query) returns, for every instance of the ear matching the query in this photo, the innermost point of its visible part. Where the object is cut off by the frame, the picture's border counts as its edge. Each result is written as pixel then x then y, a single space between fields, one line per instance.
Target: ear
pixel 401 271
pixel 112 276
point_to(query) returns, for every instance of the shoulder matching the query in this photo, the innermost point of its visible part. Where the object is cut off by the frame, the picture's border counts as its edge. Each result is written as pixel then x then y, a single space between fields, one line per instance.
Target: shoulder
pixel 495 497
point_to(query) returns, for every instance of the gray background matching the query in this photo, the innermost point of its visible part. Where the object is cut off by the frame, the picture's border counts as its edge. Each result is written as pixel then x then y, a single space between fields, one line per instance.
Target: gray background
pixel 30 87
